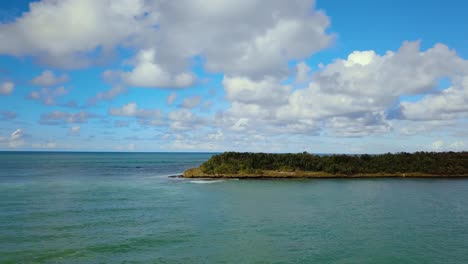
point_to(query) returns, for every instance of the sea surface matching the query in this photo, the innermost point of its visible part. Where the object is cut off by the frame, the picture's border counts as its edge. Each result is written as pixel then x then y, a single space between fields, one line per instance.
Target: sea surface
pixel 123 208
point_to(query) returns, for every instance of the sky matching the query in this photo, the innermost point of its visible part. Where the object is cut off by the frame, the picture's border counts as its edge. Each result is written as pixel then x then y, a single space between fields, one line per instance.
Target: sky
pixel 358 76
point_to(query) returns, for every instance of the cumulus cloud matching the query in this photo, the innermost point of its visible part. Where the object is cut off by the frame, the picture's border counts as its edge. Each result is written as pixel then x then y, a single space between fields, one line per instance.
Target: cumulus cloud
pixel 442 145
pixel 217 136
pixel 265 91
pixel 47 96
pixel 17 134
pixel 369 83
pixel 131 110
pixel 302 72
pixel 50 32
pixel 171 98
pixel 184 119
pixel 62 118
pixel 451 103
pixel 6 88
pixel 250 38
pixel 370 123
pixel 221 141
pixel 148 73
pixel 191 144
pixel 191 102
pixel 107 95
pixel 352 97
pixel 252 43
pixel 15 140
pixel 254 106
pixel 423 127
pixel 48 78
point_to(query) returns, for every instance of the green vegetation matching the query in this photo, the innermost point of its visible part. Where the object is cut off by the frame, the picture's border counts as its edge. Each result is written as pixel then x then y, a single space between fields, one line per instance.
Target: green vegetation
pixel 257 164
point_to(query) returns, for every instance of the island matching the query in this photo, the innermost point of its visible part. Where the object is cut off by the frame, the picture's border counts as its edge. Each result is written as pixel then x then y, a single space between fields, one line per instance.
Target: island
pixel 305 165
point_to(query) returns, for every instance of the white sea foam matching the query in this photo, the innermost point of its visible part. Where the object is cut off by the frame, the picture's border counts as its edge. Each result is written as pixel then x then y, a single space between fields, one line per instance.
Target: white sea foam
pixel 206 181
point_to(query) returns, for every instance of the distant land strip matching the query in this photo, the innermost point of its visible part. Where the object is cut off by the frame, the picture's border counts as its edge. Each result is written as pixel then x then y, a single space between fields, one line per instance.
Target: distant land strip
pixel 305 165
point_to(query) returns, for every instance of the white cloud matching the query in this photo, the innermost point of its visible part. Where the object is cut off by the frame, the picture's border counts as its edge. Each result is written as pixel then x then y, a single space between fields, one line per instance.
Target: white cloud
pixel 251 43
pixel 219 140
pixel 171 98
pixel 218 136
pixel 362 58
pixel 131 110
pixel 107 95
pixel 441 145
pixel 451 103
pixel 250 38
pixel 254 106
pixel 303 72
pixel 191 102
pixel 45 145
pixel 352 97
pixel 184 119
pixel 16 135
pixel 367 84
pixel 111 76
pixel 48 78
pixel 266 91
pixel 423 127
pixel 240 125
pixel 358 127
pixel 250 111
pixel 48 96
pixel 15 140
pixel 74 130
pixel 6 88
pixel 61 118
pixel 457 145
pixel 148 73
pixel 66 33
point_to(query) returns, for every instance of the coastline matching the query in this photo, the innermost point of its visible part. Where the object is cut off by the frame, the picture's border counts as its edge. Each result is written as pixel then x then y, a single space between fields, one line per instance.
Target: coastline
pixel 196 173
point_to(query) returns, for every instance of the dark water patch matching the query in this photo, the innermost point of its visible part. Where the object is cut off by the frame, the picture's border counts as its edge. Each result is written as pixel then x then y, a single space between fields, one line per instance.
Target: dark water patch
pixel 140 244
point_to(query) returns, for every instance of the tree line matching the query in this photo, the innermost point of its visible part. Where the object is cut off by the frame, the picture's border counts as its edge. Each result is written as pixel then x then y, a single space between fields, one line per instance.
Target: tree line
pixel 437 163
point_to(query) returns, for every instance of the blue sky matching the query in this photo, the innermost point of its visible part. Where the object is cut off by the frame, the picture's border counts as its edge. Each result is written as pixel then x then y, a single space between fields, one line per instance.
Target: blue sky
pixel 202 75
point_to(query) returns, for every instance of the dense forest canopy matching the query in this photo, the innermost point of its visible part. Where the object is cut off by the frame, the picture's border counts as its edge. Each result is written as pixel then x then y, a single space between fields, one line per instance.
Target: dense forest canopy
pixel 446 163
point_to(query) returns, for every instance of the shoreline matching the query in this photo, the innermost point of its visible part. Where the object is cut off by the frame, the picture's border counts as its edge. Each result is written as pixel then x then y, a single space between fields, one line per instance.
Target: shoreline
pixel 196 173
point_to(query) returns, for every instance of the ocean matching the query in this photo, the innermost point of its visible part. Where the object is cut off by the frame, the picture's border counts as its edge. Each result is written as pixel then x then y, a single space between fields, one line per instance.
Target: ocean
pixel 123 208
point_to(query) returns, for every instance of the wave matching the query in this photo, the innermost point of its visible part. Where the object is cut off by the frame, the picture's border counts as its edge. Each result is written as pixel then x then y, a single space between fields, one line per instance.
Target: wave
pixel 206 181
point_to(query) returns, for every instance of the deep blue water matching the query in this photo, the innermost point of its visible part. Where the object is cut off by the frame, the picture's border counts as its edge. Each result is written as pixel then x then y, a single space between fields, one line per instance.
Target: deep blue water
pixel 122 207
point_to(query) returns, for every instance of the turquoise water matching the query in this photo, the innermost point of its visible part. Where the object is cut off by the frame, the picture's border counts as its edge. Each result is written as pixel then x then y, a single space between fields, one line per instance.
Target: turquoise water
pixel 114 208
